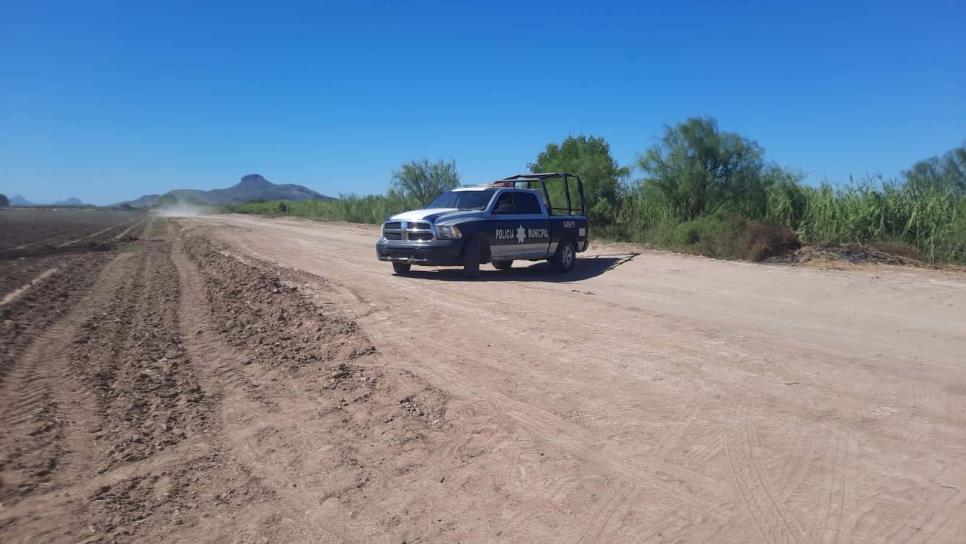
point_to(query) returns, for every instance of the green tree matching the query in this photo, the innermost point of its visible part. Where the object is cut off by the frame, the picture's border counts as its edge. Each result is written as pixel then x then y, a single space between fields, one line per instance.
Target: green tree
pixel 4 201
pixel 589 157
pixel 423 180
pixel 946 173
pixel 700 170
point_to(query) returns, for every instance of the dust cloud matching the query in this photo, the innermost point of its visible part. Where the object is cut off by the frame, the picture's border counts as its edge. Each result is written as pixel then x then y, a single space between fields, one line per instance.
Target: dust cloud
pixel 183 210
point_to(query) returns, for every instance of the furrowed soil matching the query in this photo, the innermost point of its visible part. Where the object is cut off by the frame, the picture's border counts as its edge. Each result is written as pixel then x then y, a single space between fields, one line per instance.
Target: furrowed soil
pixel 235 379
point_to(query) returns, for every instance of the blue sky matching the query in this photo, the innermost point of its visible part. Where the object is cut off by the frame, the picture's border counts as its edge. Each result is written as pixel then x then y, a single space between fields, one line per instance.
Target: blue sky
pixel 110 100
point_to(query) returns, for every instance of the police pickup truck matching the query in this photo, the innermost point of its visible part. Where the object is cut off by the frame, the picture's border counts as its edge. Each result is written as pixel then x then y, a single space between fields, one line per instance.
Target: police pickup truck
pixel 509 219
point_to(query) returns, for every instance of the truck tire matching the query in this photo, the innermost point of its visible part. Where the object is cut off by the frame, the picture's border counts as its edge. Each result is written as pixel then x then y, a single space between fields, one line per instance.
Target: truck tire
pixel 401 268
pixel 502 265
pixel 472 255
pixel 565 257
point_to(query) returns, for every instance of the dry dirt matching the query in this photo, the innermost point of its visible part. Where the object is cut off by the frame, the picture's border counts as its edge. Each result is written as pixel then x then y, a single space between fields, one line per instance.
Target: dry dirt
pixel 235 379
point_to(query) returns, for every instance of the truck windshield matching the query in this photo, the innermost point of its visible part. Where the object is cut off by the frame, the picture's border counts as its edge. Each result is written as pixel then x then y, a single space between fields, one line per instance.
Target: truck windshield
pixel 462 200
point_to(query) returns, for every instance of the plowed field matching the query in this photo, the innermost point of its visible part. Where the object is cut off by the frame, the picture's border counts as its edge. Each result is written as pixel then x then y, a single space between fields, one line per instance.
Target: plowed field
pixel 235 379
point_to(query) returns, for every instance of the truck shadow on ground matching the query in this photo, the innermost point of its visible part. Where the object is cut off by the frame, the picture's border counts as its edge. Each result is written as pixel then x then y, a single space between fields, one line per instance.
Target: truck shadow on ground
pixel 585 268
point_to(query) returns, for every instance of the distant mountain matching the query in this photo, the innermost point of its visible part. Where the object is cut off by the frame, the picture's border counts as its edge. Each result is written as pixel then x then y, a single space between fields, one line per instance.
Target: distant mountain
pixel 17 200
pixel 251 187
pixel 146 201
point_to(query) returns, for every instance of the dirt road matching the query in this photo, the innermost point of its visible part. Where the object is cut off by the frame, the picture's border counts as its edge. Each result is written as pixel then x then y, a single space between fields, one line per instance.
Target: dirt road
pixel 254 380
pixel 674 398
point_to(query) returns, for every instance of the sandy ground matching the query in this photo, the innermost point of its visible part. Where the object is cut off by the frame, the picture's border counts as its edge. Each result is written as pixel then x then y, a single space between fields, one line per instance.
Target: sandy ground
pixel 255 380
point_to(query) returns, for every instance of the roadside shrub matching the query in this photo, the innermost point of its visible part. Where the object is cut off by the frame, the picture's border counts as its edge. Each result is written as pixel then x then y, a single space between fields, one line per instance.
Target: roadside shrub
pixel 763 240
pixel 721 236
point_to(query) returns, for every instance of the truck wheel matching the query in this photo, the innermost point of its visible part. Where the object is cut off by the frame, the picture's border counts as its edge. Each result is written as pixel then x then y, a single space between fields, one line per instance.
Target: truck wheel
pixel 502 265
pixel 401 268
pixel 472 254
pixel 565 257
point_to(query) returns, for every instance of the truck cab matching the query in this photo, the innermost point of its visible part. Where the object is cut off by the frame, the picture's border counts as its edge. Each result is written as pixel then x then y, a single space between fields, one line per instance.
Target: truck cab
pixel 500 222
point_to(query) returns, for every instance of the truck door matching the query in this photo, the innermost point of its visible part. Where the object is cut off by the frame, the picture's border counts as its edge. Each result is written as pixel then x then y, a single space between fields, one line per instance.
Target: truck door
pixel 504 241
pixel 536 223
pixel 522 229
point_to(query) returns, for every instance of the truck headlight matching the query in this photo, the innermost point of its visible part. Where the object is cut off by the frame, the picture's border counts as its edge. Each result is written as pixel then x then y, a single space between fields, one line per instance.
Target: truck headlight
pixel 446 232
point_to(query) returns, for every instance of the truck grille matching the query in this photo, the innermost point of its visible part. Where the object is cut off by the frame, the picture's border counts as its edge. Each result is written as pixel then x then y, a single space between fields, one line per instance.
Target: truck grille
pixel 419 231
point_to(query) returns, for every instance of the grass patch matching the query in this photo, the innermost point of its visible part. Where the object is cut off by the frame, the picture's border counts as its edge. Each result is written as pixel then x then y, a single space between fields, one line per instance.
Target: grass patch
pixel 131 247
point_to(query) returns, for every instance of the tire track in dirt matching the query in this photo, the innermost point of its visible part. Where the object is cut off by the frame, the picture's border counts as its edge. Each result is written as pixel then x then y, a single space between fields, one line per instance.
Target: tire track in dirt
pixel 46 302
pixel 107 436
pixel 308 407
pixel 931 518
pixel 113 393
pixel 648 472
pixel 136 365
pixel 17 273
pixel 829 531
pixel 768 513
pixel 810 355
pixel 50 415
pixel 148 388
pixel 794 468
pixel 594 530
pixel 133 226
pixel 87 237
pixel 127 227
pixel 249 420
pixel 52 238
pixel 18 292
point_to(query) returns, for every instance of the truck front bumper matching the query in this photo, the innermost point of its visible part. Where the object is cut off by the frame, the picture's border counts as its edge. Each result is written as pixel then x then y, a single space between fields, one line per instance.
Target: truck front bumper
pixel 432 253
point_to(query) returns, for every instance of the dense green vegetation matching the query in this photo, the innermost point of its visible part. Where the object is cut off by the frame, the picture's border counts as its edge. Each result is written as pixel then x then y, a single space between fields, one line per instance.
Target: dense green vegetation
pixel 352 208
pixel 708 191
pixel 590 158
pixel 422 181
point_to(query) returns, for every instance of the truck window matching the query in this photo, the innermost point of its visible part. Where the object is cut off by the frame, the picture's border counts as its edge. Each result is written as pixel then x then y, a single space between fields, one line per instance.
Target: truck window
pixel 504 204
pixel 526 203
pixel 462 200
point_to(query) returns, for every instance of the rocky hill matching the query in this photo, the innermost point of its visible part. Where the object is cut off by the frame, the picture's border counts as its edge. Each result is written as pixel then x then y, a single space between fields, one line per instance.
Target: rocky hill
pixel 251 187
pixel 18 200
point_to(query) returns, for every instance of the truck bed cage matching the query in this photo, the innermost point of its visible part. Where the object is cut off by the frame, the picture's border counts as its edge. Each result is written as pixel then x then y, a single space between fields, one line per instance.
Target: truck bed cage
pixel 540 179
